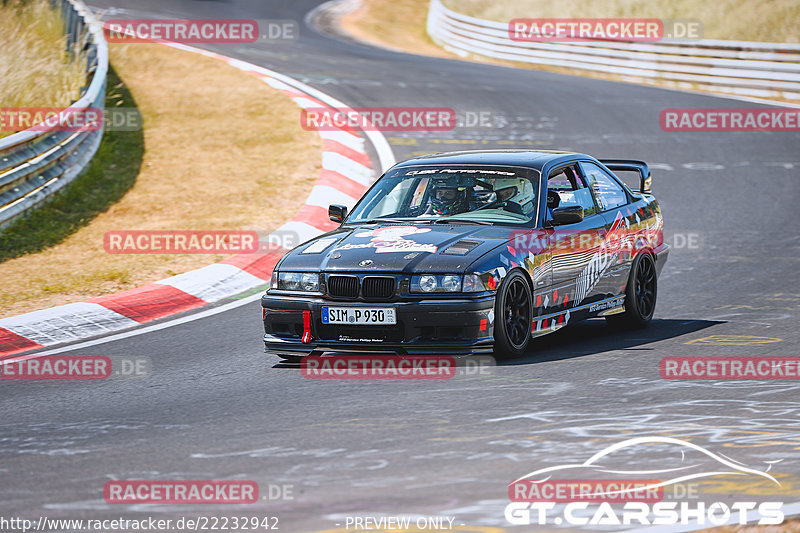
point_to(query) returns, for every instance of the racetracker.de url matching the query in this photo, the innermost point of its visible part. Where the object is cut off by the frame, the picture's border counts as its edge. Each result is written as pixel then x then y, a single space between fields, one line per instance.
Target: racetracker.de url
pixel 196 523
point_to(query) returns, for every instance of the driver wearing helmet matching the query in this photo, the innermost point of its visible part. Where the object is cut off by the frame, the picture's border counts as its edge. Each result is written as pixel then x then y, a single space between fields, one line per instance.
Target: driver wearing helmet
pixel 448 200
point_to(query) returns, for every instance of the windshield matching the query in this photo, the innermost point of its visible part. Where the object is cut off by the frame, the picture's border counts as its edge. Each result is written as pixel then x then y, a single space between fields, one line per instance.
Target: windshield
pixel 491 194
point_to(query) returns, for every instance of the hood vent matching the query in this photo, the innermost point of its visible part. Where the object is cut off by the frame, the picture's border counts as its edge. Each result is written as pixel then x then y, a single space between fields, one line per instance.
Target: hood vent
pixel 461 247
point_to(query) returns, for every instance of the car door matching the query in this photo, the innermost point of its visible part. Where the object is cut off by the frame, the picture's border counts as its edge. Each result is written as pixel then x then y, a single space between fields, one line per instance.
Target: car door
pixel 572 246
pixel 613 203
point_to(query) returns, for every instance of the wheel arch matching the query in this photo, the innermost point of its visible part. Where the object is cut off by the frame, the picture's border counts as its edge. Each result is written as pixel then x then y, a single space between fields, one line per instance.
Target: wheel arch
pixel 526 275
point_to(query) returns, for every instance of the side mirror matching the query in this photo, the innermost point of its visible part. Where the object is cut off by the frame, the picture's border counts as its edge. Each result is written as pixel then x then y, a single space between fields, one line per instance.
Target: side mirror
pixel 337 213
pixel 567 215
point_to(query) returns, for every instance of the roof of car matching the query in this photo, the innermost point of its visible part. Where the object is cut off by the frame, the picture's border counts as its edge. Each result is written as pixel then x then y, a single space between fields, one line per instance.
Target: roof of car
pixel 536 159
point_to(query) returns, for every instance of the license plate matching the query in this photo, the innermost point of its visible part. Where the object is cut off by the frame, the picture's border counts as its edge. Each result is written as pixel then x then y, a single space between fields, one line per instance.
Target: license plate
pixel 359 315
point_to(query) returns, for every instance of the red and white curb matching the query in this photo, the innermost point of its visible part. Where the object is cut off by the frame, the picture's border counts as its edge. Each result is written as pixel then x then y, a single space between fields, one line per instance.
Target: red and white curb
pixel 346 173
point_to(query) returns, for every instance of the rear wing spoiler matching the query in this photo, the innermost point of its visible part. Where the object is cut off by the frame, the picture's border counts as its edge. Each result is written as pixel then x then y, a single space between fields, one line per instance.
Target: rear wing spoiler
pixel 645 180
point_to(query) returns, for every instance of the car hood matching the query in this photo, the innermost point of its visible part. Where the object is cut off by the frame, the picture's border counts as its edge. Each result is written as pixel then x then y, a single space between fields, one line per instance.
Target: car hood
pixel 398 248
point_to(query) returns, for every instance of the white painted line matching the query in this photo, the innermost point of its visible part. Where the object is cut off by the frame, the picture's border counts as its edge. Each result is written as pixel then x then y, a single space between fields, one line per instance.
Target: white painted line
pixel 272 82
pixel 305 103
pixel 141 331
pixel 325 195
pixel 66 323
pixel 214 282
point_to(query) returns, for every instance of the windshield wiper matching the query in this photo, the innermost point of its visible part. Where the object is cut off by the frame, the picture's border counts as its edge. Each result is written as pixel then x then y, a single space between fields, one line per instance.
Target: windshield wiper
pixel 450 220
pixel 379 220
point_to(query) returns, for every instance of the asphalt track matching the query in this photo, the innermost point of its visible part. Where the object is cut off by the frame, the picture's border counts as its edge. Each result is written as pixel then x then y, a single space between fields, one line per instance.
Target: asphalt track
pixel 215 407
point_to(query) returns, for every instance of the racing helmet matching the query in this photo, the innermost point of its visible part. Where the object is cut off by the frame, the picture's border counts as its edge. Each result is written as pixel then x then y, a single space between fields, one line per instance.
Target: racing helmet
pixel 449 200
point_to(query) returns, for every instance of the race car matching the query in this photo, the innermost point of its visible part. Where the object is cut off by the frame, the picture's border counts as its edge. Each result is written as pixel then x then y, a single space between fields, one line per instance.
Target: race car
pixel 472 252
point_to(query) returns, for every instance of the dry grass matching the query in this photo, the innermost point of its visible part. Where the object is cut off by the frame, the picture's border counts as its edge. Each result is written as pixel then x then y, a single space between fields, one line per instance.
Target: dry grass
pixel 402 26
pixel 35 70
pixel 399 25
pixel 748 20
pixel 222 151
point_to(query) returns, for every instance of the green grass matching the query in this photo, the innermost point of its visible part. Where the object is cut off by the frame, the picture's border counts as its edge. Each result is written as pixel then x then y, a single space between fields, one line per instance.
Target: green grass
pixel 110 175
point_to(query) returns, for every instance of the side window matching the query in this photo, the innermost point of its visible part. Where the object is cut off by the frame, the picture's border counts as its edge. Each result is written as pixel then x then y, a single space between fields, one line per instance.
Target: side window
pixel 565 188
pixel 609 193
pixel 392 202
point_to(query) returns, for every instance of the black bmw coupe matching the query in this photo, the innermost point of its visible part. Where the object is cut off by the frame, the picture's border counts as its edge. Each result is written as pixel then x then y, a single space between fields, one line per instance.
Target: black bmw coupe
pixel 472 252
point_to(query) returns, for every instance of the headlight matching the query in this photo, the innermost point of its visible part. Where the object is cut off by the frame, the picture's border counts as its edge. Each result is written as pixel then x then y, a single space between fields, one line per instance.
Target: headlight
pixel 451 283
pixel 297 281
pixel 473 283
pixel 427 283
pixel 436 283
pixel 309 282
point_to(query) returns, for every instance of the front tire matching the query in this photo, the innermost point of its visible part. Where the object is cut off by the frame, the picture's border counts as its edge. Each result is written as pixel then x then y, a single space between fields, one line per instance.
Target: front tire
pixel 513 310
pixel 640 295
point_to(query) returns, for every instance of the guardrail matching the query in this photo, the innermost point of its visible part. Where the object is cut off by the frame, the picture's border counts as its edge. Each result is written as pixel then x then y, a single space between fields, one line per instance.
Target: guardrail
pixel 36 163
pixel 737 67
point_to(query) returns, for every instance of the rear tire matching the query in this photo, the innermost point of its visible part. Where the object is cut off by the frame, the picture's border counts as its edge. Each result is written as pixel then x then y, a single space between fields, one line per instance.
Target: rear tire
pixel 640 295
pixel 513 311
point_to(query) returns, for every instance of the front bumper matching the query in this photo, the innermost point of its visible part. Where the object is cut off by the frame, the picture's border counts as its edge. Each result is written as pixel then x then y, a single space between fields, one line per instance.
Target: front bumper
pixel 427 327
